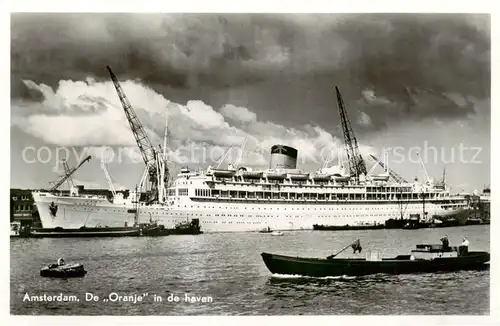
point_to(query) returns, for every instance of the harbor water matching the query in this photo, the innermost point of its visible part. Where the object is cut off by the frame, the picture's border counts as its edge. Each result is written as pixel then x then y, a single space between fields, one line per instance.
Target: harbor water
pixel 223 274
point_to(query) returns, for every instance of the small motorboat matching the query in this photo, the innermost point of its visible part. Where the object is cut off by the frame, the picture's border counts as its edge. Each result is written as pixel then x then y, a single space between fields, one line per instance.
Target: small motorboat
pixel 425 259
pixel 277 233
pixel 266 230
pixel 63 271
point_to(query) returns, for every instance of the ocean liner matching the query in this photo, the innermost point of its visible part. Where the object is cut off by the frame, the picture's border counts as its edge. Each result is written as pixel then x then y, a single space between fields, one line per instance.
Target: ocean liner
pixel 232 199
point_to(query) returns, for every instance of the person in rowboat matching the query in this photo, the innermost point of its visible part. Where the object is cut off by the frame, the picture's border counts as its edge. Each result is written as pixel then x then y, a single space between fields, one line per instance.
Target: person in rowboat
pixel 60 262
pixel 465 242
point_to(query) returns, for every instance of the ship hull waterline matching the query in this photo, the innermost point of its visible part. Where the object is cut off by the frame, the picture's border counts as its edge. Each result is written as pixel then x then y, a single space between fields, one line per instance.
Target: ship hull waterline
pixel 73 213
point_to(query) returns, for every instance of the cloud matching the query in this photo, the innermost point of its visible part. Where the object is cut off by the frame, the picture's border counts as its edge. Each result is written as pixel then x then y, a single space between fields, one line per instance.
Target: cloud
pixel 89 118
pixel 281 62
pixel 364 119
pixel 238 114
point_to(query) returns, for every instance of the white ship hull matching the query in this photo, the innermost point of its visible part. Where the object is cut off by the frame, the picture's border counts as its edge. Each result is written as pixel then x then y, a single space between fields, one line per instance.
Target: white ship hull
pixel 237 216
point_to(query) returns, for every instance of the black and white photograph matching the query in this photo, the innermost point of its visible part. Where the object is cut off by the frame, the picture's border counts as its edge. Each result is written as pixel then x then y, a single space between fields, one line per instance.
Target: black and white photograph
pixel 250 164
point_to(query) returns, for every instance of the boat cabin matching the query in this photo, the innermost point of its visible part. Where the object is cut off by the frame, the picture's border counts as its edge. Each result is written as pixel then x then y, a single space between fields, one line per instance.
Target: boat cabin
pixel 431 251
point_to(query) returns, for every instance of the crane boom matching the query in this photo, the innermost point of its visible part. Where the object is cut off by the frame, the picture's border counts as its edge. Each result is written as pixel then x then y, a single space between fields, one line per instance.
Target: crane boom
pixel 71 184
pixel 423 167
pixel 69 173
pixel 393 174
pixel 148 152
pixel 357 165
pixel 108 177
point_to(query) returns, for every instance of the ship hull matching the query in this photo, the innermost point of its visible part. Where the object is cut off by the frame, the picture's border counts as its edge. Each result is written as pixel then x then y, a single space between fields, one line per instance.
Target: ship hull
pixel 218 216
pixel 314 267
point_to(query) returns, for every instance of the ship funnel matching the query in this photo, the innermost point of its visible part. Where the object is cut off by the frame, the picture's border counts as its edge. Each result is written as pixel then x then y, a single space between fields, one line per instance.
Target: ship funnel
pixel 283 157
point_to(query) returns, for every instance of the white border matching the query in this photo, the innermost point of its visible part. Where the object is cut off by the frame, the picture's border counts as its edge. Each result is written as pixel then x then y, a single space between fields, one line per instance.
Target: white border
pixel 270 6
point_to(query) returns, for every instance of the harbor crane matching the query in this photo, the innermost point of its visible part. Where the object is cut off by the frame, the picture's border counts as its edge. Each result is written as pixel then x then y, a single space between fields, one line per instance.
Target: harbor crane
pixel 357 165
pixel 393 174
pixel 69 173
pixel 152 158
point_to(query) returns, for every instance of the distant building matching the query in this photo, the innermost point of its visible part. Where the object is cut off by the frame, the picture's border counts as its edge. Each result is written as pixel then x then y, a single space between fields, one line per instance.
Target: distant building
pixel 23 208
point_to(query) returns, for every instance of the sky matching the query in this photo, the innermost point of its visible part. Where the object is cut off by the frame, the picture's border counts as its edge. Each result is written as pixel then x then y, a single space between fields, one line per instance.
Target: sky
pixel 411 83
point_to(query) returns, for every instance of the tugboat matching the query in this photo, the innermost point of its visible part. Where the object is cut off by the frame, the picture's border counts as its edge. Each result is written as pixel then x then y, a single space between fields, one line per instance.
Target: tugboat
pixel 415 223
pixel 426 258
pixel 192 227
pixel 266 230
pixel 155 229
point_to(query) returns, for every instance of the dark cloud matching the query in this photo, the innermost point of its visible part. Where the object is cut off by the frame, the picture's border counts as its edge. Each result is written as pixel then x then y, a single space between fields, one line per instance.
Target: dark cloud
pixel 282 67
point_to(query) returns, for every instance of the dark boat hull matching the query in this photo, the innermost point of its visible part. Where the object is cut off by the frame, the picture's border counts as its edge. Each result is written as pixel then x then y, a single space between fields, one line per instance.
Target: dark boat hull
pixel 85 232
pixel 75 270
pixel 155 230
pixel 319 227
pixel 315 267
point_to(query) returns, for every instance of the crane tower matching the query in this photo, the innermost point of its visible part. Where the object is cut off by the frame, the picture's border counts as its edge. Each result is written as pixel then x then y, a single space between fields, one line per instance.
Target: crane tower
pixel 357 165
pixel 149 154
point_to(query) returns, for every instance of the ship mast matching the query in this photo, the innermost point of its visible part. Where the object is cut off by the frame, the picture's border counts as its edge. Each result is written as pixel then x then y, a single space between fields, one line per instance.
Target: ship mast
pixel 423 205
pixel 163 166
pixel 357 165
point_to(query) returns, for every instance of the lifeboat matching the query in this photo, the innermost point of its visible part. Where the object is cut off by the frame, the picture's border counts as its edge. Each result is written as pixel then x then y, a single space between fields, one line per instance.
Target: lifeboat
pixel 321 177
pixel 224 173
pixel 299 176
pixel 380 177
pixel 276 175
pixel 252 174
pixel 341 178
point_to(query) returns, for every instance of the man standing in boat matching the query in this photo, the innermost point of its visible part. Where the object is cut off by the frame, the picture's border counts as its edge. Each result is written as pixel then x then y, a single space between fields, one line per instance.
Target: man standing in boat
pixel 356 246
pixel 464 247
pixel 446 243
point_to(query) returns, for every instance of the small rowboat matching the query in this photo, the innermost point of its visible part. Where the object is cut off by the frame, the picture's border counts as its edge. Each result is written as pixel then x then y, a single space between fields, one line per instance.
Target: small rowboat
pixel 425 259
pixel 63 271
